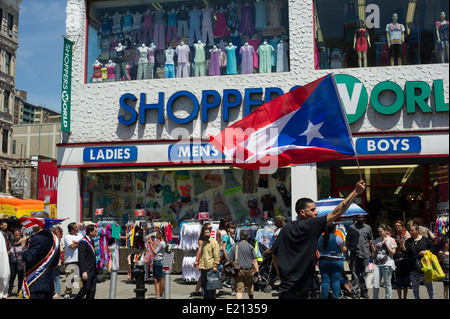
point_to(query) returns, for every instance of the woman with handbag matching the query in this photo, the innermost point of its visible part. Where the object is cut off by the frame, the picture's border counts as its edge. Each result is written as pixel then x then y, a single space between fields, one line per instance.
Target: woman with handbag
pixel 383 250
pixel 209 260
pixel 415 248
pixel 16 264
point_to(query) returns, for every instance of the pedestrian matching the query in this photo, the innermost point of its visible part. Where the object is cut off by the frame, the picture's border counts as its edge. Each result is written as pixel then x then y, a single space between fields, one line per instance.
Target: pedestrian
pixel 40 255
pixel 383 250
pixel 57 230
pixel 201 238
pixel 279 222
pixel 246 258
pixel 209 260
pixel 294 251
pixel 402 281
pixel 227 243
pixel 16 264
pixel 158 259
pixel 72 270
pixel 415 248
pixel 9 238
pixel 424 231
pixel 399 231
pixel 331 262
pixel 4 268
pixel 359 236
pixel 87 263
pixel 443 259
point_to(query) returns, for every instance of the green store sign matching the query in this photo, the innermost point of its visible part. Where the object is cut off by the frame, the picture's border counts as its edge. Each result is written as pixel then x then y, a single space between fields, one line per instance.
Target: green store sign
pixel 416 94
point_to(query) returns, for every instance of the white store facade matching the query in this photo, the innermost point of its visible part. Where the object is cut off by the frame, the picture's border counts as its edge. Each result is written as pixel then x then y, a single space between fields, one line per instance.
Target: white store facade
pixel 132 140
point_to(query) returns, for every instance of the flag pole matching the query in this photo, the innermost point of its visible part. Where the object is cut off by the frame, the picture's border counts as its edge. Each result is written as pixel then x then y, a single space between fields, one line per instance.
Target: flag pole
pixel 359 167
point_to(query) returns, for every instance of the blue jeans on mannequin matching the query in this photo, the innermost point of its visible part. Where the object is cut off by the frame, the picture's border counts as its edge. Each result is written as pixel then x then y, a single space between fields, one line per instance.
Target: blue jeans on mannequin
pixel 330 272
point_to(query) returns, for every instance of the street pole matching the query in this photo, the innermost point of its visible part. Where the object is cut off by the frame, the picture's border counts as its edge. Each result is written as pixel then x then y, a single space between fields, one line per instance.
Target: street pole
pixel 166 284
pixel 113 283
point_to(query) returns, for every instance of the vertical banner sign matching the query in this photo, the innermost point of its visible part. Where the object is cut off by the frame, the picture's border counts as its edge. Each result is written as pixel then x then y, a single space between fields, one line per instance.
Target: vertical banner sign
pixel 66 85
pixel 48 181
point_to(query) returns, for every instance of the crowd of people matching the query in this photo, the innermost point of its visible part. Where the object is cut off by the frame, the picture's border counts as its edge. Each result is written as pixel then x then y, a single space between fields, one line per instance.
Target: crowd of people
pixel 297 248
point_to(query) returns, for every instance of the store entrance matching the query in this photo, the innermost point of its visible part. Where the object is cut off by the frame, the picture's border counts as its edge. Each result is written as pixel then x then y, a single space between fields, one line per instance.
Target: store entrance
pixel 396 192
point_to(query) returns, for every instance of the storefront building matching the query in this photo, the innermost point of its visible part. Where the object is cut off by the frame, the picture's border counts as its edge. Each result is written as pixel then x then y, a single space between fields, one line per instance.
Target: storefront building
pixel 140 123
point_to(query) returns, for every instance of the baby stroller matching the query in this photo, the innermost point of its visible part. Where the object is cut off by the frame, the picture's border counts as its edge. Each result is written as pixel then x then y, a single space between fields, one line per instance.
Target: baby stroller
pixel 266 270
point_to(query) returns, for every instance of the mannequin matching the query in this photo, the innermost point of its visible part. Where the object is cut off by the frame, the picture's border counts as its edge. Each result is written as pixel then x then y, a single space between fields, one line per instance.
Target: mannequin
pixel 110 71
pixel 183 66
pixel 183 29
pixel 120 61
pixel 396 37
pixel 247 52
pixel 169 67
pixel 195 16
pixel 199 58
pixel 151 61
pixel 231 58
pixel 361 43
pixel 442 38
pixel 214 63
pixel 265 52
pixel 172 31
pixel 97 76
pixel 282 59
pixel 142 61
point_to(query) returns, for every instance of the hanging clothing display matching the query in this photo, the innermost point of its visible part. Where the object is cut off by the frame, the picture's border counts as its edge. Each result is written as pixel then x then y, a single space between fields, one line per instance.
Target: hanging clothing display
pixel 220 210
pixel 172 32
pixel 231 184
pixel 195 16
pixel 247 26
pixel 159 29
pixel 221 29
pixel 248 182
pixel 207 28
pixel 274 8
pixel 233 21
pixel 260 15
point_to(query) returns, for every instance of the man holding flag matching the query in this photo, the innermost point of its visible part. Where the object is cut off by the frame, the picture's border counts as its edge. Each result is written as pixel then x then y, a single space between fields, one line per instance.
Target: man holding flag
pixel 40 255
pixel 306 125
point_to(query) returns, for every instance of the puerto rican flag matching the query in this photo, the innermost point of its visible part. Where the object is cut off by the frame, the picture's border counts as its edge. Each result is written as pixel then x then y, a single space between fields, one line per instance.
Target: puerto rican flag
pixel 44 223
pixel 306 125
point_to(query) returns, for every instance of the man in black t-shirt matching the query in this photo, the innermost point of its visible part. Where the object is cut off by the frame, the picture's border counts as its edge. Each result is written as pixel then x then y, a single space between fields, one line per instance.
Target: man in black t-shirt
pixel 294 252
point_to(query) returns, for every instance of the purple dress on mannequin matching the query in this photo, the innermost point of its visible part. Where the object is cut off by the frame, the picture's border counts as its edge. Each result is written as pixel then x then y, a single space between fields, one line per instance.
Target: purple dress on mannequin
pixel 247 26
pixel 214 63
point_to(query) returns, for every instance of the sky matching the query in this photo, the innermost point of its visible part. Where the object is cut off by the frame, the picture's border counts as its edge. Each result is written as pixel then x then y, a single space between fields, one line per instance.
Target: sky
pixel 42 24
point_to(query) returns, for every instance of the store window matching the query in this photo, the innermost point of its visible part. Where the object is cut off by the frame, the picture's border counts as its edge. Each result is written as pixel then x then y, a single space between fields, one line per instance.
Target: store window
pixel 174 196
pixel 364 33
pixel 137 40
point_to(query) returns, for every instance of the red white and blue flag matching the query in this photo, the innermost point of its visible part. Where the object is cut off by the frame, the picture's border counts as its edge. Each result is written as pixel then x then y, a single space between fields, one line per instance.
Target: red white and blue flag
pixel 44 223
pixel 306 125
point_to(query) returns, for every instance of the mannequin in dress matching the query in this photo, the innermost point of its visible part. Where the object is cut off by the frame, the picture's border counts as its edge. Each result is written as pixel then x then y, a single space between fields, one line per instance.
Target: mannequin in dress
pixel 97 76
pixel 183 65
pixel 442 37
pixel 361 43
pixel 396 37
pixel 110 71
pixel 199 58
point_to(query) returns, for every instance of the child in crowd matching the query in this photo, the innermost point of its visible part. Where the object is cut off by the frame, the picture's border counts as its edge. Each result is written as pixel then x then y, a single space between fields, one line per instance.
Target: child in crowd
pixel 401 269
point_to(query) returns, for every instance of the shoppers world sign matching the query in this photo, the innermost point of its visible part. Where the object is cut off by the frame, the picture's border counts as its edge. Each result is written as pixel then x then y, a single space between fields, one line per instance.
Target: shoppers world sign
pixel 353 93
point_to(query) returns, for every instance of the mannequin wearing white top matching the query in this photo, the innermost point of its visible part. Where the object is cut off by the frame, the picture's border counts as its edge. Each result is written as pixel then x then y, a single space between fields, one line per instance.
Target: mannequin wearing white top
pixel 183 66
pixel 141 53
pixel 169 67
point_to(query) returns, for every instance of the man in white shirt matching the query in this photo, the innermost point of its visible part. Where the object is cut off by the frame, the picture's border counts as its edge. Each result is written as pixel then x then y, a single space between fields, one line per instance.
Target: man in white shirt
pixel 71 258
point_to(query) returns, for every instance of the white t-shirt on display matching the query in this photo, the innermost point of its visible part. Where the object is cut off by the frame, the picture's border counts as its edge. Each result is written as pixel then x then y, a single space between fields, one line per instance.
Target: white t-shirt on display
pixel 71 254
pixel 395 32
